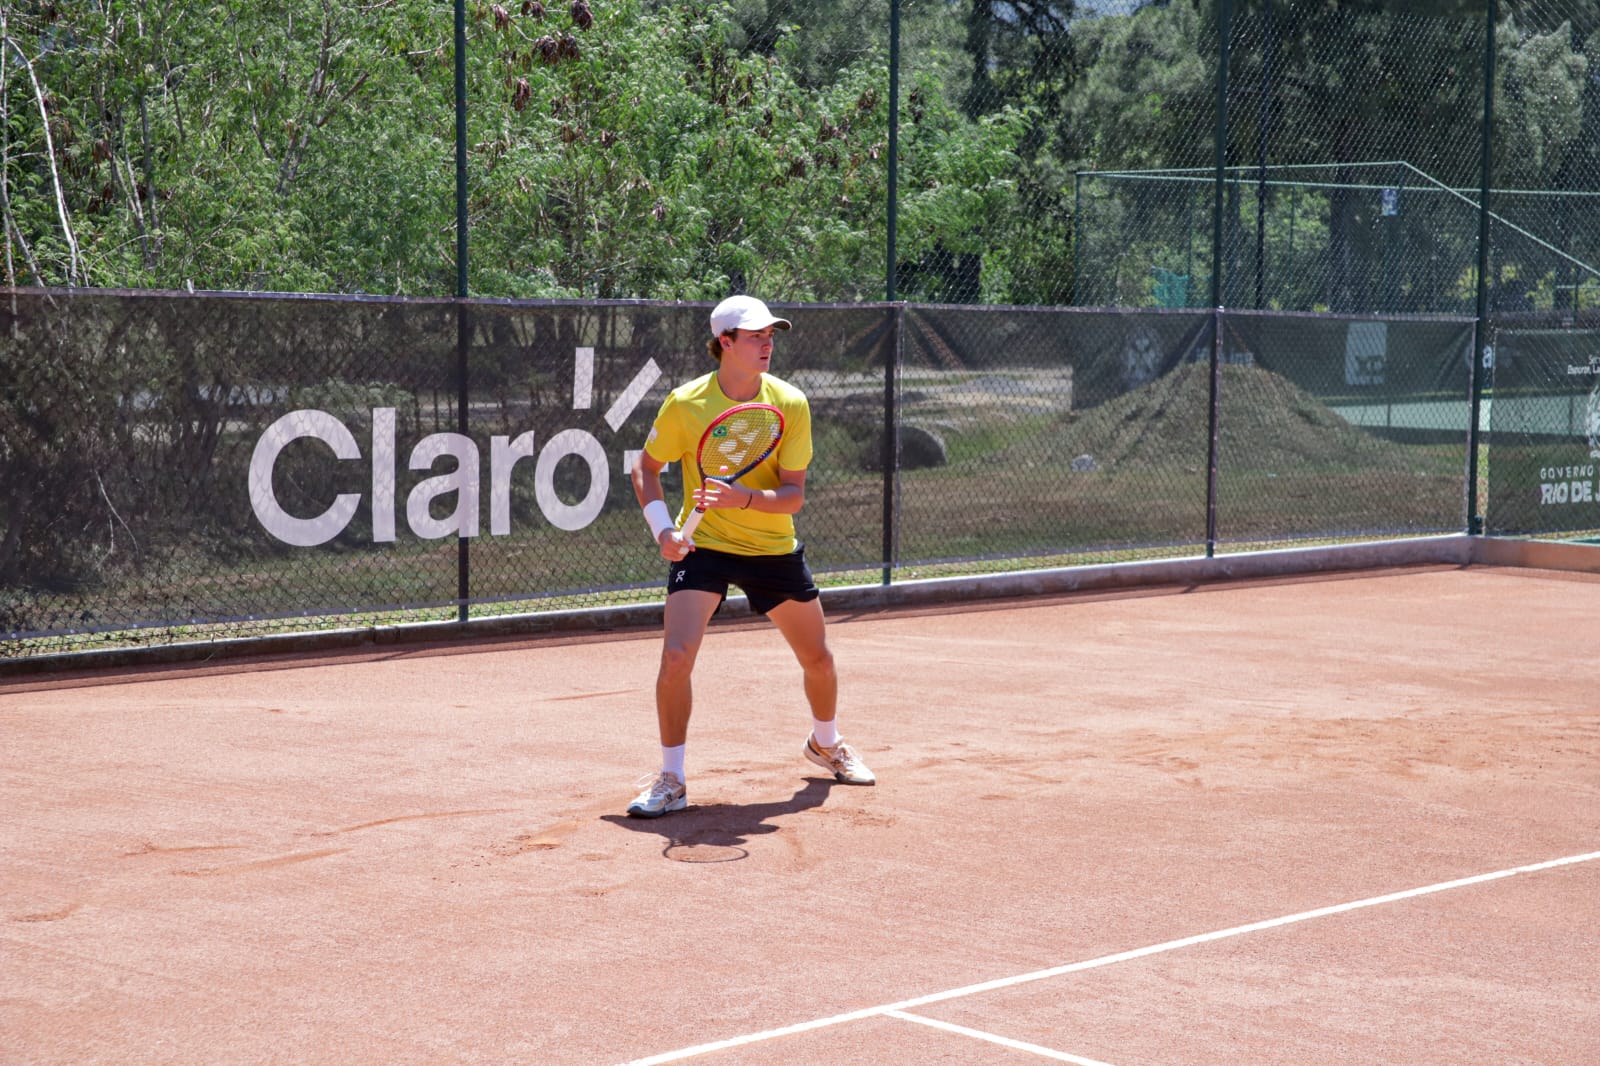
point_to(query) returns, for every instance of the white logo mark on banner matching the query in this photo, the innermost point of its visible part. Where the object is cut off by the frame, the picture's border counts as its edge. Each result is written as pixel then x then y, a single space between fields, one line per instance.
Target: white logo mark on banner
pixel 462 481
pixel 1366 353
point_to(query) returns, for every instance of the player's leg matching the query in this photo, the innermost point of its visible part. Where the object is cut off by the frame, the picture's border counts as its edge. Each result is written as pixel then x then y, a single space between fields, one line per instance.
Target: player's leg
pixel 802 625
pixel 687 613
pixel 685 618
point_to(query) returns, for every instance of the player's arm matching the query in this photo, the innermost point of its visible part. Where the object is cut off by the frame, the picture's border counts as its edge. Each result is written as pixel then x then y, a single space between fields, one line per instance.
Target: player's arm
pixel 790 495
pixel 787 498
pixel 646 477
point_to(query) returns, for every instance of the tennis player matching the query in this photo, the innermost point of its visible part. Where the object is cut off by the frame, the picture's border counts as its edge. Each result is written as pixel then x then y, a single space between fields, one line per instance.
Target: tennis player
pixel 746 538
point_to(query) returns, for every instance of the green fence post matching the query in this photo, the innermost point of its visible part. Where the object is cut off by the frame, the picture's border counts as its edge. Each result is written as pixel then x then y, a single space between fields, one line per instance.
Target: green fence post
pixel 1077 239
pixel 891 437
pixel 1481 347
pixel 891 360
pixel 1224 17
pixel 463 570
pixel 892 205
pixel 1263 134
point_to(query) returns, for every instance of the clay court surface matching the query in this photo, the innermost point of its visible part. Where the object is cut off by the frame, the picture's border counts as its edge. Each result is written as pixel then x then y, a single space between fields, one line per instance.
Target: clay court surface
pixel 1349 819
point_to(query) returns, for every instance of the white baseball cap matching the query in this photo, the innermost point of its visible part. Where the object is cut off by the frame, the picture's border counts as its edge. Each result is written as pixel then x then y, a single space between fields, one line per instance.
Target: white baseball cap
pixel 743 312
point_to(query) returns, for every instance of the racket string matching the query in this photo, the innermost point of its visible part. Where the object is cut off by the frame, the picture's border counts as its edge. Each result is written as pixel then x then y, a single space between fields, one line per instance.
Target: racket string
pixel 744 437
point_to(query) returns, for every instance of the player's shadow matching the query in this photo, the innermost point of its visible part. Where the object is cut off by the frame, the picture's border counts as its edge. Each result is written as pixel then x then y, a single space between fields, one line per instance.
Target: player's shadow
pixel 718 832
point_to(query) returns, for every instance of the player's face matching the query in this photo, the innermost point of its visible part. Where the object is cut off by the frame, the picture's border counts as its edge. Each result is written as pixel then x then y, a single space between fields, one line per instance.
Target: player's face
pixel 749 349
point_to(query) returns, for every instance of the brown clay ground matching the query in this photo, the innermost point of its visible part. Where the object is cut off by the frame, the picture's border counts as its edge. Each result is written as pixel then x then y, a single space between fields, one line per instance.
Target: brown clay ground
pixel 417 855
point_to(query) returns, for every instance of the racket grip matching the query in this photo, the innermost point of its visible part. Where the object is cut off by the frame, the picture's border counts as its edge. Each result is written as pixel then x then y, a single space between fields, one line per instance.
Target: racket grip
pixel 690 523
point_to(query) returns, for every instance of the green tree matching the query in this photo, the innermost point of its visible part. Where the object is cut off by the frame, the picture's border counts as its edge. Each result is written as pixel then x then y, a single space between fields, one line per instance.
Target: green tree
pixel 625 149
pixel 657 156
pixel 224 148
pixel 1544 105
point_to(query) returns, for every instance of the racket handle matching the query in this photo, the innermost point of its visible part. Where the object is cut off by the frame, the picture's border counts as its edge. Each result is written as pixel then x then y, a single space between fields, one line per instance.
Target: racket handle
pixel 691 522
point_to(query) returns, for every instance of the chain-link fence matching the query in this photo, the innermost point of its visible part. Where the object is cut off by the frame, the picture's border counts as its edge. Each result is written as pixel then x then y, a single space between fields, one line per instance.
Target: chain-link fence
pixel 1071 282
pixel 209 461
pixel 1023 153
pixel 1543 267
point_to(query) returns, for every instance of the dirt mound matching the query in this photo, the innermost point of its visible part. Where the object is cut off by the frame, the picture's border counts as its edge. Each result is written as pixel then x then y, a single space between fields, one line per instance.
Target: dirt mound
pixel 1266 422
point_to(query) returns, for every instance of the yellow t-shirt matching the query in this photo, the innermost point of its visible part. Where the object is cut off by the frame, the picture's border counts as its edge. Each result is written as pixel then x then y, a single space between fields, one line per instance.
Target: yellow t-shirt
pixel 682 421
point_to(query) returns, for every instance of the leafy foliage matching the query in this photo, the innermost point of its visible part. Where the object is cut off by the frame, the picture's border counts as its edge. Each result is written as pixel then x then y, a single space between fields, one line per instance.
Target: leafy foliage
pixel 680 149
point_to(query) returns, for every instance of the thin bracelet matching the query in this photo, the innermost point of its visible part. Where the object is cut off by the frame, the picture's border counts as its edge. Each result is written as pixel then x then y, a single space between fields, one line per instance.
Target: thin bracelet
pixel 750 497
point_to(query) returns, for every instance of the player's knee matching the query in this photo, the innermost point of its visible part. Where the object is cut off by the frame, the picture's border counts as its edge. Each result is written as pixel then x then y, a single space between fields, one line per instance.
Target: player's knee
pixel 816 661
pixel 677 662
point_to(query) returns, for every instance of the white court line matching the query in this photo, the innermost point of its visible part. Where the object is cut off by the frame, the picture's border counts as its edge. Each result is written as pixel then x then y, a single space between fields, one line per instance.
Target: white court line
pixel 1003 1041
pixel 1104 960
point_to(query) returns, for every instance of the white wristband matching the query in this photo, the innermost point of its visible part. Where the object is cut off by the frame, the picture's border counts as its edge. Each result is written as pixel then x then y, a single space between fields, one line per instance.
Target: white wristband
pixel 660 519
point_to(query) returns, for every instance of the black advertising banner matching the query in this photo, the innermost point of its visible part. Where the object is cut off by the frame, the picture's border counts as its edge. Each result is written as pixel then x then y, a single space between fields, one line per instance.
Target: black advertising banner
pixel 169 459
pixel 1544 426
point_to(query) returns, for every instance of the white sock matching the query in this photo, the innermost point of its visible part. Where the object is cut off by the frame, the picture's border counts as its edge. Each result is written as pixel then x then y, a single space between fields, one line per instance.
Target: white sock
pixel 672 760
pixel 826 733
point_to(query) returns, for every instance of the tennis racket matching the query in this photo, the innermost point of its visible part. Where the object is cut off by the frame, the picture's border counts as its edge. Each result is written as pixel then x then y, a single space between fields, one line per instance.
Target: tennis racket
pixel 735 443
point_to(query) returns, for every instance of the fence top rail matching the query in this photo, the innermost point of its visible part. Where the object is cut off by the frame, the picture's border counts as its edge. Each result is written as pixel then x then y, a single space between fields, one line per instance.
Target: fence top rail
pixel 1208 174
pixel 1007 309
pixel 1254 175
pixel 1357 316
pixel 78 292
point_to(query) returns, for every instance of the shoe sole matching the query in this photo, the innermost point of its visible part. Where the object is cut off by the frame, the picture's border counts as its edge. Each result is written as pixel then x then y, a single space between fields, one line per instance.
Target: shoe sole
pixel 843 780
pixel 641 812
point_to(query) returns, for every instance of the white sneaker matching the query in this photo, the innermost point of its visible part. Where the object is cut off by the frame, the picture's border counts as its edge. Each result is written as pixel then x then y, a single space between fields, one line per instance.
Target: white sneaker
pixel 841 761
pixel 665 793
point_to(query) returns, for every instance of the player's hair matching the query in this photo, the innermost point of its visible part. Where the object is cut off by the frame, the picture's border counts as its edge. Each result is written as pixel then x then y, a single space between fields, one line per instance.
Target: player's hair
pixel 714 345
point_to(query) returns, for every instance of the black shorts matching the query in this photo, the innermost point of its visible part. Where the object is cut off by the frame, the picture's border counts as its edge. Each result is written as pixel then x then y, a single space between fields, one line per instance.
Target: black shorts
pixel 767 580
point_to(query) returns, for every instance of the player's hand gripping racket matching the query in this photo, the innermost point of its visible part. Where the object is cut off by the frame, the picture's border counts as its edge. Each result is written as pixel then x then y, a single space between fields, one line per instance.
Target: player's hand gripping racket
pixel 737 442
